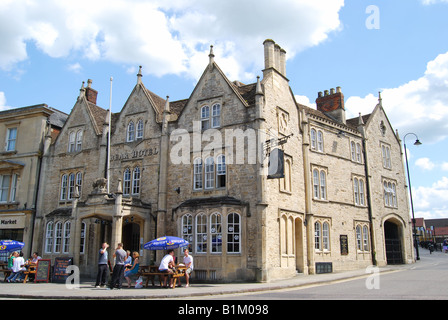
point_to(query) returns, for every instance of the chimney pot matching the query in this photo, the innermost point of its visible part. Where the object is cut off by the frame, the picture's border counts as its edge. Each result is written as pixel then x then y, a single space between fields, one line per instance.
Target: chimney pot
pixel 332 91
pixel 326 93
pixel 320 94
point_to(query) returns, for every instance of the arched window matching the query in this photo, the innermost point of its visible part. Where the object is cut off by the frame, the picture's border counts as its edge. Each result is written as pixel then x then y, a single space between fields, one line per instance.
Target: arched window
pixel 320 141
pixel 353 150
pixel 358 237
pixel 205 117
pixel 130 136
pixel 313 139
pixel 316 183
pixel 221 171
pixel 209 173
pixel 233 233
pixel 79 182
pixel 197 174
pixel 136 181
pixel 356 190
pixel 64 184
pixel 361 192
pixel 201 233
pixel 394 195
pixel 82 244
pixel 326 236
pixel 49 234
pixel 358 153
pixel 365 236
pixel 216 116
pixel 386 194
pixel 66 239
pixel 78 140
pixel 71 142
pixel 323 185
pixel 71 186
pixel 216 232
pixel 140 129
pixel 187 230
pixel 57 237
pixel 127 182
pixel 317 236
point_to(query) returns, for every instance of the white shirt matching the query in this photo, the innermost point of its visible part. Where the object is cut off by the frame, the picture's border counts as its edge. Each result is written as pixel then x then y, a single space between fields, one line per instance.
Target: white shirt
pixel 18 262
pixel 187 260
pixel 165 261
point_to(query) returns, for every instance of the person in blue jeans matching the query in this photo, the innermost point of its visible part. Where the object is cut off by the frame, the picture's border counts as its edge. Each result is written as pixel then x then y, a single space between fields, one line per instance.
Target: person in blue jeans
pixel 17 268
pixel 132 269
pixel 118 272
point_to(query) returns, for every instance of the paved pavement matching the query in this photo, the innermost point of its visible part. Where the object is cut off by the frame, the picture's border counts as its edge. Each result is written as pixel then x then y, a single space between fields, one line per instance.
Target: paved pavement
pixel 87 290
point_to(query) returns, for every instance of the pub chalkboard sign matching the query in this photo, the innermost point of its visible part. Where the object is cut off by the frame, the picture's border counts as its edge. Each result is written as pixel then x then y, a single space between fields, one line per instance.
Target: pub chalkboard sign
pixel 42 270
pixel 59 269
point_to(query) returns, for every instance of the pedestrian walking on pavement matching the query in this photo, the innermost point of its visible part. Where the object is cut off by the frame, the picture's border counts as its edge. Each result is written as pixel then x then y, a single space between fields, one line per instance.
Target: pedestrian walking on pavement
pixel 102 266
pixel 118 272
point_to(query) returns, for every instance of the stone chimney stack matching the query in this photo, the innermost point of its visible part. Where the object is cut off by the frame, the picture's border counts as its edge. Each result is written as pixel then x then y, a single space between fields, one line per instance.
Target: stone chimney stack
pixel 91 94
pixel 274 57
pixel 331 103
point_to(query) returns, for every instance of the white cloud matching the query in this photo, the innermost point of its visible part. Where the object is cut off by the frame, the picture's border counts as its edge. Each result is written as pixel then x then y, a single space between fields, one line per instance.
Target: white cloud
pixel 431 202
pixel 445 166
pixel 76 67
pixel 429 2
pixel 425 163
pixel 166 37
pixel 419 106
pixel 3 105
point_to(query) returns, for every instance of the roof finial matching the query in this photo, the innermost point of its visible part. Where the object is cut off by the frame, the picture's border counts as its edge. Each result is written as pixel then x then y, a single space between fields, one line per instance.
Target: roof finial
pixel 258 89
pixel 211 55
pixel 139 75
pixel 380 100
pixel 360 120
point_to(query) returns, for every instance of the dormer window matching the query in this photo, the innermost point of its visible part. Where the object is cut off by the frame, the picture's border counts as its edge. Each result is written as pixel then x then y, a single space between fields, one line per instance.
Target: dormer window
pixel 130 132
pixel 139 130
pixel 205 118
pixel 75 141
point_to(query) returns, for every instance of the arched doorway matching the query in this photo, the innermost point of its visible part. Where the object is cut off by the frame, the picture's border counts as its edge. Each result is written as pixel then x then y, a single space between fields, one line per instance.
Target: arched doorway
pixel 392 238
pixel 131 237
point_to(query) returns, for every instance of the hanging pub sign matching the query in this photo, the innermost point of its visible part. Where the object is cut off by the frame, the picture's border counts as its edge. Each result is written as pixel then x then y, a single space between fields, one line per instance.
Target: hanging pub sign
pixel 276 169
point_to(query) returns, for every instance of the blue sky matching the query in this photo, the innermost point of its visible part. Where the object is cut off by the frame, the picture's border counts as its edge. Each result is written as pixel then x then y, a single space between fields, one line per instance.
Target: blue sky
pixel 49 47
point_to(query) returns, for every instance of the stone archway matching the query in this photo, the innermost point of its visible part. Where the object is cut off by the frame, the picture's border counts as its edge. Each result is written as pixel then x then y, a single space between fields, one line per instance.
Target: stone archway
pixel 393 235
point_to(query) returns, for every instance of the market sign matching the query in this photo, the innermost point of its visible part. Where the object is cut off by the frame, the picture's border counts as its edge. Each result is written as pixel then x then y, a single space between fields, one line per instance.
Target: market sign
pixel 12 221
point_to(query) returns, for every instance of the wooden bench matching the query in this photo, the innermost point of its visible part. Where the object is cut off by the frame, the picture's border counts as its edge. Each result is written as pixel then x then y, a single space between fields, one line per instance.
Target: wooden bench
pixel 6 272
pixel 150 272
pixel 32 269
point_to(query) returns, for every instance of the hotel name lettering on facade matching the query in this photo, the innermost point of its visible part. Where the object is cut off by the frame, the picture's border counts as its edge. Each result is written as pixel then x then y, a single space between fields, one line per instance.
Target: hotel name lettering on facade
pixel 135 154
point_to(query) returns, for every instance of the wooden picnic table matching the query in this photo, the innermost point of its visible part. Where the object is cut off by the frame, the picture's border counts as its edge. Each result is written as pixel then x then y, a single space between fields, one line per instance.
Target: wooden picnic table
pixel 150 272
pixel 32 269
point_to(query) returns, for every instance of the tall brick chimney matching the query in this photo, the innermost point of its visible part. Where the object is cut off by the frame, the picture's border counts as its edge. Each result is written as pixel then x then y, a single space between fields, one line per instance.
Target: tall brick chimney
pixel 91 94
pixel 332 104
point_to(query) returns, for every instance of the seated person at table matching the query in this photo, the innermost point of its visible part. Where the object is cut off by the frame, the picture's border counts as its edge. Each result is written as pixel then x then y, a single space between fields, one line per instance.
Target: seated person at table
pixel 35 258
pixel 166 266
pixel 131 269
pixel 17 268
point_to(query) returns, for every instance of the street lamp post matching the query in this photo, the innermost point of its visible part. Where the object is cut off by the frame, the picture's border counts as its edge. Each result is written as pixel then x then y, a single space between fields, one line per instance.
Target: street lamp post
pixel 416 143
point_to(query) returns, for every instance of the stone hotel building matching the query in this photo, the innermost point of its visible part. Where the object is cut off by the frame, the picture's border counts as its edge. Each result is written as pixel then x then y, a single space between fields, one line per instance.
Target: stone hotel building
pixel 261 186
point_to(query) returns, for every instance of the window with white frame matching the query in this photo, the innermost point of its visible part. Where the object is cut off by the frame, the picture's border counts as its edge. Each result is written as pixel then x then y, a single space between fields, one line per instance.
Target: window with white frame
pixel 362 237
pixel 322 236
pixel 201 233
pixel 71 142
pixel 209 173
pixel 221 171
pixel 49 233
pixel 216 115
pixel 66 239
pixel 139 130
pixel 69 182
pixel 11 138
pixel 326 236
pixel 205 118
pixel 78 141
pixel 127 182
pixel 358 190
pixel 319 184
pixel 8 187
pixel 136 181
pixel 82 243
pixel 216 233
pixel 320 141
pixel 317 236
pixel 317 140
pixel 211 240
pixel 57 237
pixel 187 230
pixel 385 150
pixel 130 135
pixel 197 174
pixel 313 138
pixel 390 194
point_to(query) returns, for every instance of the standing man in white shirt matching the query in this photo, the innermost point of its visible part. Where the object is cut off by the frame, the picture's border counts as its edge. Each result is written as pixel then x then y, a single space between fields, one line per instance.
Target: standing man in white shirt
pixel 188 261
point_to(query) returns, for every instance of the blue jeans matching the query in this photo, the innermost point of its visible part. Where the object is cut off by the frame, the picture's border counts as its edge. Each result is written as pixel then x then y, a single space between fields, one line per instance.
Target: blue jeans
pixel 14 275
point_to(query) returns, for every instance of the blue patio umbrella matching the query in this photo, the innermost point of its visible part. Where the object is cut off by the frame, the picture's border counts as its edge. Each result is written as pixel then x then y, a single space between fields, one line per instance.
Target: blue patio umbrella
pixel 10 245
pixel 165 243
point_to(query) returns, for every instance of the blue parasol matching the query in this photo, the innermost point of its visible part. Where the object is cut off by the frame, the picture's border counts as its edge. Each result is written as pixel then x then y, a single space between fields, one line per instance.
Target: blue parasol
pixel 165 243
pixel 10 245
